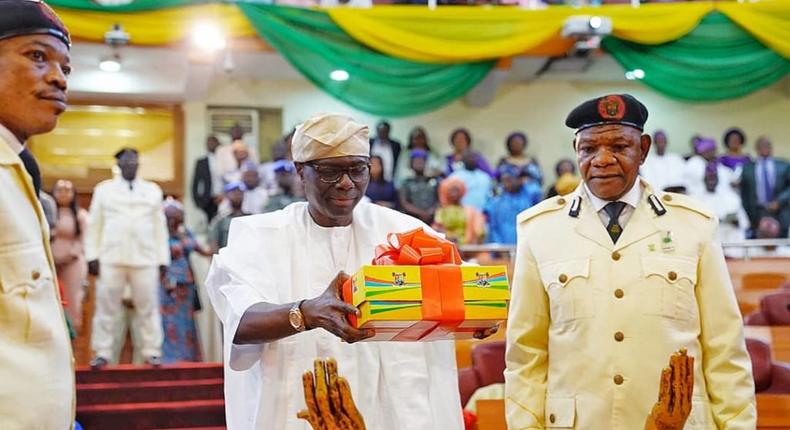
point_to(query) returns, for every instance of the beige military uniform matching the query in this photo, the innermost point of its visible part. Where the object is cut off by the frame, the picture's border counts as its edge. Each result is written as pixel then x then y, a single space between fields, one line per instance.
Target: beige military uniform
pixel 36 364
pixel 593 323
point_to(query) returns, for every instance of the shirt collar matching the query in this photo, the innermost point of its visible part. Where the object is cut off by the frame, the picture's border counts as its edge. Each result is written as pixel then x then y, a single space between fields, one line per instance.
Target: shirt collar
pixel 9 137
pixel 631 198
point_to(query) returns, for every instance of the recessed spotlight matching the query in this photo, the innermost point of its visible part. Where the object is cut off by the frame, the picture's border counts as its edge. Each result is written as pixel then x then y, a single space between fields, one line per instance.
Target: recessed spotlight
pixel 595 22
pixel 639 73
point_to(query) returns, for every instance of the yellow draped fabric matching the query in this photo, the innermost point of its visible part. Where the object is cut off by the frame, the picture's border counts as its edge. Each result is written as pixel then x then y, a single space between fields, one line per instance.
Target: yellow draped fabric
pixel 456 34
pixel 768 21
pixel 463 34
pixel 158 27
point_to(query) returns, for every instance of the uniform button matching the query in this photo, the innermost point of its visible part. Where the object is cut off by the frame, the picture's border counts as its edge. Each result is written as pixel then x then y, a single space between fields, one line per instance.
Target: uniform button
pixel 561 201
pixel 36 274
pixel 618 380
pixel 615 256
pixel 667 198
pixel 563 278
pixel 672 276
pixel 619 336
pixel 618 293
pixel 552 418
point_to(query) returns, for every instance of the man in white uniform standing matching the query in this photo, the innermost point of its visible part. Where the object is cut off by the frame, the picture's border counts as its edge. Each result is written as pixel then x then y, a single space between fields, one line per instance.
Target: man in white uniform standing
pixel 276 287
pixel 127 243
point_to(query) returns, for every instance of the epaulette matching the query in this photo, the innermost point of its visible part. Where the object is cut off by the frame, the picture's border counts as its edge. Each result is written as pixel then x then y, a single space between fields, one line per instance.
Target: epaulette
pixel 546 206
pixel 686 202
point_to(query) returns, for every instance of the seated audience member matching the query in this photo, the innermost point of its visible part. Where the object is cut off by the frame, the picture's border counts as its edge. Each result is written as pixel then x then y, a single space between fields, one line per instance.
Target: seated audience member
pixel 461 224
pixel 68 249
pixel 663 169
pixel 517 195
pixel 516 144
pixel 694 172
pixel 461 141
pixel 726 204
pixel 418 192
pixel 241 155
pixel 218 230
pixel 478 183
pixel 290 189
pixel 381 191
pixel 765 187
pixel 281 150
pixel 734 141
pixel 566 175
pixel 418 140
pixel 255 195
pixel 178 295
pixel 769 228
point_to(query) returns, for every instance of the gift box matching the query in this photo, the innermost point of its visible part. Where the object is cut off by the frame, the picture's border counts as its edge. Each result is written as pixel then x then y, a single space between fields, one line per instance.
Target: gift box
pixel 416 290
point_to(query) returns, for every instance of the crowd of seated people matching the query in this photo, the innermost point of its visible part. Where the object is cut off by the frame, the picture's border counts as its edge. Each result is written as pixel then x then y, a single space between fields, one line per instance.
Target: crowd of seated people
pixel 458 193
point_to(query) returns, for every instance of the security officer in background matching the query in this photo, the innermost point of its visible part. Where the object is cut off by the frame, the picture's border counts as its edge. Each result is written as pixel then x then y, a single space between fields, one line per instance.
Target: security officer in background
pixel 36 363
pixel 639 276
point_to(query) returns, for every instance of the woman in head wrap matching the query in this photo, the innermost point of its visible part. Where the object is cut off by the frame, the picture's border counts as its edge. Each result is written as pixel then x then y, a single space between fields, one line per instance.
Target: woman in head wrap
pixel 461 224
pixel 178 294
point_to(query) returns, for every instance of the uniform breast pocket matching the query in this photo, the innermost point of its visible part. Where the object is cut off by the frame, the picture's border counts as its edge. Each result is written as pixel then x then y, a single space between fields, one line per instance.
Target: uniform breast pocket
pixel 669 284
pixel 570 292
pixel 27 294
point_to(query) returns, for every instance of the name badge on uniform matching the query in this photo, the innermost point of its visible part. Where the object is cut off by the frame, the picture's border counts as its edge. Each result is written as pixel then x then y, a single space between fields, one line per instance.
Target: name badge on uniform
pixel 667 245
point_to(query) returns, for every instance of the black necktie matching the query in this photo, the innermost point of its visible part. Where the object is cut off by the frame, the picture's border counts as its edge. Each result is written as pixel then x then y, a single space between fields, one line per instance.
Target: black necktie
pixel 614 209
pixel 32 169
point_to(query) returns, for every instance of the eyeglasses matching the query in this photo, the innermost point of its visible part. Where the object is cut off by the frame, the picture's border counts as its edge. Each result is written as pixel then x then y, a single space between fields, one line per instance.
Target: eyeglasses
pixel 332 175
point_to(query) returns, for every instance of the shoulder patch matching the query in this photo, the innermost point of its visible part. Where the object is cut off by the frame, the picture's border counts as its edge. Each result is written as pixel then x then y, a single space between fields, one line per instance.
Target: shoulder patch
pixel 546 206
pixel 686 202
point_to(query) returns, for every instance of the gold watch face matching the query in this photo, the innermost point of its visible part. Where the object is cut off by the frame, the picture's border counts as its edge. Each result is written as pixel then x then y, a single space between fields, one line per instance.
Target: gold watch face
pixel 295 318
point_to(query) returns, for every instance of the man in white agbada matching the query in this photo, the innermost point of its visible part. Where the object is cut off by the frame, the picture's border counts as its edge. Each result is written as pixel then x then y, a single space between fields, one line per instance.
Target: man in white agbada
pixel 276 287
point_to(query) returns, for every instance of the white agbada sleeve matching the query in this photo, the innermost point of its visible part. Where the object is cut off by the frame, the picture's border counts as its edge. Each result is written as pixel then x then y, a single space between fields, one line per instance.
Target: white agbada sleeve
pixel 231 294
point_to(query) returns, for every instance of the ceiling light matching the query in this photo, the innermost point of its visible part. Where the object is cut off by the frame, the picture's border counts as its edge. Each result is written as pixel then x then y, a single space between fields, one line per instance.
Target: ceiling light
pixel 110 65
pixel 639 73
pixel 208 36
pixel 339 75
pixel 630 75
pixel 595 22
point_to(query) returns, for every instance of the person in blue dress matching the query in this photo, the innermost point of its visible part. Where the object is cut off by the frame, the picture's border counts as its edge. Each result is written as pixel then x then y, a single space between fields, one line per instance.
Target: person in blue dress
pixel 177 295
pixel 519 192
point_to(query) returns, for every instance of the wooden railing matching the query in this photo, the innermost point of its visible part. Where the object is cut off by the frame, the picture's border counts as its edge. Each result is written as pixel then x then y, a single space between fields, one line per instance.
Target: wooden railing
pixel 773 412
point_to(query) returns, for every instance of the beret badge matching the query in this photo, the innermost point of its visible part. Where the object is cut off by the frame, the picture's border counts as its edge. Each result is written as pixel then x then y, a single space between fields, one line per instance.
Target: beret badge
pixel 611 107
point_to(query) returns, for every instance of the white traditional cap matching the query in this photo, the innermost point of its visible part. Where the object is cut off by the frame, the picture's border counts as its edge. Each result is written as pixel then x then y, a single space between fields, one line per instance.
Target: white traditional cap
pixel 329 136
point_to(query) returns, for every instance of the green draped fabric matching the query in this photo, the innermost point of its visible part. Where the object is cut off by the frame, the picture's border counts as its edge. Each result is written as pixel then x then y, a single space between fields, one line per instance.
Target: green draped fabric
pixel 378 84
pixel 716 61
pixel 135 6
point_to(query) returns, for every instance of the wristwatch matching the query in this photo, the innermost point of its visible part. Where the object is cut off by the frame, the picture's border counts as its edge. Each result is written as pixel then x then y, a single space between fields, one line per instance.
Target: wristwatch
pixel 295 316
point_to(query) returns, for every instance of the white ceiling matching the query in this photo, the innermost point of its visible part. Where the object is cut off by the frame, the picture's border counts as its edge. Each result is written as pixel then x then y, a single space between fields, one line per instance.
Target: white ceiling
pixel 168 74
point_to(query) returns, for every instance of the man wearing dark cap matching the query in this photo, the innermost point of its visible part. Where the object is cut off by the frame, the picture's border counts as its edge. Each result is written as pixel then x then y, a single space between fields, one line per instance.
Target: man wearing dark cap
pixel 127 244
pixel 609 282
pixel 36 364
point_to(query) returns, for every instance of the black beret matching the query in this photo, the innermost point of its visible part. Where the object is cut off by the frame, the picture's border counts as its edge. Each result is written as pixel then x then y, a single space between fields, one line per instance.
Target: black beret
pixel 610 109
pixel 123 151
pixel 25 17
